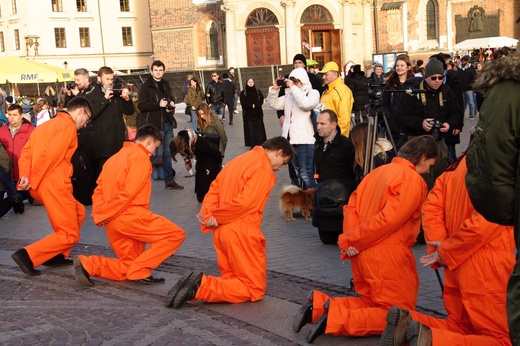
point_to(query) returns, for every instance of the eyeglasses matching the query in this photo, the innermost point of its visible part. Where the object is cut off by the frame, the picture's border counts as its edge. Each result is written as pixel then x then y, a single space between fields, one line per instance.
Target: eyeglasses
pixel 433 78
pixel 89 116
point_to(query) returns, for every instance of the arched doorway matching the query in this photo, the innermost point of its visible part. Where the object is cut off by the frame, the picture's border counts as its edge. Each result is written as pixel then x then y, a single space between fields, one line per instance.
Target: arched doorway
pixel 262 38
pixel 320 41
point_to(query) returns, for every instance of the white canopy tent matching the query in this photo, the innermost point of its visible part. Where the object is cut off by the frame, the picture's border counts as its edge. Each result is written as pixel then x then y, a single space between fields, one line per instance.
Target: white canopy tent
pixel 486 42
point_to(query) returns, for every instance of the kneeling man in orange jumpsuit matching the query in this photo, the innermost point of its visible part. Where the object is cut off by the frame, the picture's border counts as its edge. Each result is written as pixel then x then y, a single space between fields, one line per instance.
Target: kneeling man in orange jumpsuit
pixel 233 210
pixel 478 258
pixel 380 226
pixel 45 170
pixel 121 202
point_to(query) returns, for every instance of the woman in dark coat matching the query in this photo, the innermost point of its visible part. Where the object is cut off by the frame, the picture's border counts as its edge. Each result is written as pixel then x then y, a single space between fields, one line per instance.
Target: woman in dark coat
pixel 205 149
pixel 251 99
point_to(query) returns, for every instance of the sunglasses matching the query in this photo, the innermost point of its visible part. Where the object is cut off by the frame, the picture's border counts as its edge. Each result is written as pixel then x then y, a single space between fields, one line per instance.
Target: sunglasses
pixel 436 78
pixel 213 75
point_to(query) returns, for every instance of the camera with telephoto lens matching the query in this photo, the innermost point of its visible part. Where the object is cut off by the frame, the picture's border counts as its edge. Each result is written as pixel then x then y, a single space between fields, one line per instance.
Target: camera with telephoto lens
pixel 168 105
pixel 70 85
pixel 435 129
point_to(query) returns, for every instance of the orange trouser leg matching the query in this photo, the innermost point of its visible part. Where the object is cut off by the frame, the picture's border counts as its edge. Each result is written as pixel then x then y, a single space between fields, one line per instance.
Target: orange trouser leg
pixel 128 234
pixel 66 216
pixel 355 316
pixel 442 337
pixel 349 315
pixel 241 259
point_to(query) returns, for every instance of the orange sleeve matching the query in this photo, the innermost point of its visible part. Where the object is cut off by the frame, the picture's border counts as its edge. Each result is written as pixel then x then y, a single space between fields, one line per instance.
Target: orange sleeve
pixel 25 160
pixel 473 233
pixel 106 207
pixel 210 202
pixel 433 214
pixel 252 198
pixel 51 156
pixel 404 198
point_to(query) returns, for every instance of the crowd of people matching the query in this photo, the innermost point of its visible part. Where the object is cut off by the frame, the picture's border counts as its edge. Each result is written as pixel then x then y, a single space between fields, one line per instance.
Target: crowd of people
pixel 388 174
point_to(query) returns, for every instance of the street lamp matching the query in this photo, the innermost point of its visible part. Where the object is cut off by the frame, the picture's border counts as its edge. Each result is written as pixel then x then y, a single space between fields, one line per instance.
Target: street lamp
pixel 65 64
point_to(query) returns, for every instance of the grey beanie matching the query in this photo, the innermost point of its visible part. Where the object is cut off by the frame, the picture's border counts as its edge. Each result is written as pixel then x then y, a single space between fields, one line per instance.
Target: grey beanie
pixel 434 66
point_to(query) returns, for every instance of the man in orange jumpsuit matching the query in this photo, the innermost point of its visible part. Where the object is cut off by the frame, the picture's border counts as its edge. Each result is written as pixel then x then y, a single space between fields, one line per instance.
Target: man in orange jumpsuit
pixel 478 258
pixel 233 210
pixel 45 169
pixel 380 226
pixel 121 202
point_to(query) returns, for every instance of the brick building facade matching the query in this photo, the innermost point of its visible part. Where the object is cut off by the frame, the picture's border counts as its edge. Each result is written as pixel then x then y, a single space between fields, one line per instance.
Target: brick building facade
pixel 213 34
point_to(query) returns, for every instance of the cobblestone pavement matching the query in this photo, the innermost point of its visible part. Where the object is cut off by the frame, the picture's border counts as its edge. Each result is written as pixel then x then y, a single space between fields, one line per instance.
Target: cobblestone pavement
pixel 53 309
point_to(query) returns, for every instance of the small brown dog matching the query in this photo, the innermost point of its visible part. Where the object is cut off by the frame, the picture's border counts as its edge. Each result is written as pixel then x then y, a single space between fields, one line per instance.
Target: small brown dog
pixel 292 197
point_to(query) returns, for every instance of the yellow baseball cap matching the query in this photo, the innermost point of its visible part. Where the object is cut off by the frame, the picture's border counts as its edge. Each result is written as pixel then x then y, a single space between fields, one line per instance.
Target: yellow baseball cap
pixel 330 66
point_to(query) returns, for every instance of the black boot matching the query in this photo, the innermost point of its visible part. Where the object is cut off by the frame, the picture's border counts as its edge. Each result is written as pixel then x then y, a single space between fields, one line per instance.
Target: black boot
pixel 21 257
pixel 318 328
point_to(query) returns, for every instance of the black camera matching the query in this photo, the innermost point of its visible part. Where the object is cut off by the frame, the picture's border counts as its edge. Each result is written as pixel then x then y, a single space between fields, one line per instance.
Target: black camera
pixel 168 104
pixel 280 82
pixel 70 85
pixel 116 92
pixel 436 128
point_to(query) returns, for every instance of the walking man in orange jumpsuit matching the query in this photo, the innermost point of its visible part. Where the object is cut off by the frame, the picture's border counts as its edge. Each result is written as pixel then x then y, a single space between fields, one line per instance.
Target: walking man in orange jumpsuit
pixel 233 210
pixel 380 226
pixel 121 202
pixel 45 171
pixel 478 258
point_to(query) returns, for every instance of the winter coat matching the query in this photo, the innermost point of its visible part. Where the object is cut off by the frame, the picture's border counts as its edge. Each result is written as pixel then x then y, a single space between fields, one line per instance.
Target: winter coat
pixel 217 127
pixel 216 93
pixel 229 91
pixel 195 97
pixel 358 84
pixel 14 145
pixel 337 161
pixel 297 105
pixel 149 98
pixel 338 97
pixel 412 111
pixel 254 128
pixel 108 125
pixel 493 178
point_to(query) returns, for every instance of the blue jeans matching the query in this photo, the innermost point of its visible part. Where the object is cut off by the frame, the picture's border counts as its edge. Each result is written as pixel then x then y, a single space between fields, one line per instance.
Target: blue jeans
pixel 218 108
pixel 194 120
pixel 164 152
pixel 235 100
pixel 469 98
pixel 303 163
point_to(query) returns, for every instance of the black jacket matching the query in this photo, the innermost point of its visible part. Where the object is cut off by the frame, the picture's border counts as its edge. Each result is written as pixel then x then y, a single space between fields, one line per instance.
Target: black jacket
pixel 467 76
pixel 216 93
pixel 108 125
pixel 358 84
pixel 229 91
pixel 337 162
pixel 149 98
pixel 412 112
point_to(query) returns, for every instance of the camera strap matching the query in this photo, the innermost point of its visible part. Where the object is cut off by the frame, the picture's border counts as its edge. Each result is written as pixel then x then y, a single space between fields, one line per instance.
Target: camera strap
pixel 423 96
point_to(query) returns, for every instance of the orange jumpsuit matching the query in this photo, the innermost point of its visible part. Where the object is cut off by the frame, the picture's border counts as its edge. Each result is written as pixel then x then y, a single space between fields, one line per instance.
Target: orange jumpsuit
pixel 382 221
pixel 121 202
pixel 45 160
pixel 479 259
pixel 236 199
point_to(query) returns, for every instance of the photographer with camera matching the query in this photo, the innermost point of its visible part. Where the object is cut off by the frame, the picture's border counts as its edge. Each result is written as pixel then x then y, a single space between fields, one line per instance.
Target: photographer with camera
pixel 158 108
pixel 80 86
pixel 108 106
pixel 432 112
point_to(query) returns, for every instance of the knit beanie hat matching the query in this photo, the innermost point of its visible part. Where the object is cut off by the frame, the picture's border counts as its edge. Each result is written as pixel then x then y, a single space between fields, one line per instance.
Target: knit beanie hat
pixel 300 57
pixel 433 66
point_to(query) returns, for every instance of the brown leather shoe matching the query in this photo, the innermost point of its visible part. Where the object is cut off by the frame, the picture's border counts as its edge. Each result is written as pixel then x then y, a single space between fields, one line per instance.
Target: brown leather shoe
pixel 419 334
pixel 397 323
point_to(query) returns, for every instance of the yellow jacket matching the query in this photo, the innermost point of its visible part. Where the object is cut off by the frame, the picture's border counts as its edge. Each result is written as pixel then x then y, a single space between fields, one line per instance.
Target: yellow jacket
pixel 338 97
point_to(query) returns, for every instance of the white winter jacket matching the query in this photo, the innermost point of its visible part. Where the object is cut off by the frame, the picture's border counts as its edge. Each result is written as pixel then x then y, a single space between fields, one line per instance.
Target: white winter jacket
pixel 297 104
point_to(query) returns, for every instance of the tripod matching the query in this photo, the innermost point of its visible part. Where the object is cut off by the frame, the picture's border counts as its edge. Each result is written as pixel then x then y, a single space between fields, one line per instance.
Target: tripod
pixel 375 112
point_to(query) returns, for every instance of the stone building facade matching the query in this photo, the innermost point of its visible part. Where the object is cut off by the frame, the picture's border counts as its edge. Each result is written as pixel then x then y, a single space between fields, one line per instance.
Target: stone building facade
pixel 216 34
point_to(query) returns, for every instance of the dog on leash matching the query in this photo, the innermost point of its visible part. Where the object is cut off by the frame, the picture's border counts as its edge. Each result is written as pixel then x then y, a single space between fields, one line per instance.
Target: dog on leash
pixel 292 197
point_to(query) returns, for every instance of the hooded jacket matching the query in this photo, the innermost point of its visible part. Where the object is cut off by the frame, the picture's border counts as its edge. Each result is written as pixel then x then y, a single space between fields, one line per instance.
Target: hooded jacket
pixel 297 104
pixel 493 178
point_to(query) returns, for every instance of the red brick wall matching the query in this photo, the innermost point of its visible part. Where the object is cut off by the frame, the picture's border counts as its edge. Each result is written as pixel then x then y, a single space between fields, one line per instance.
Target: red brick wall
pixel 178 31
